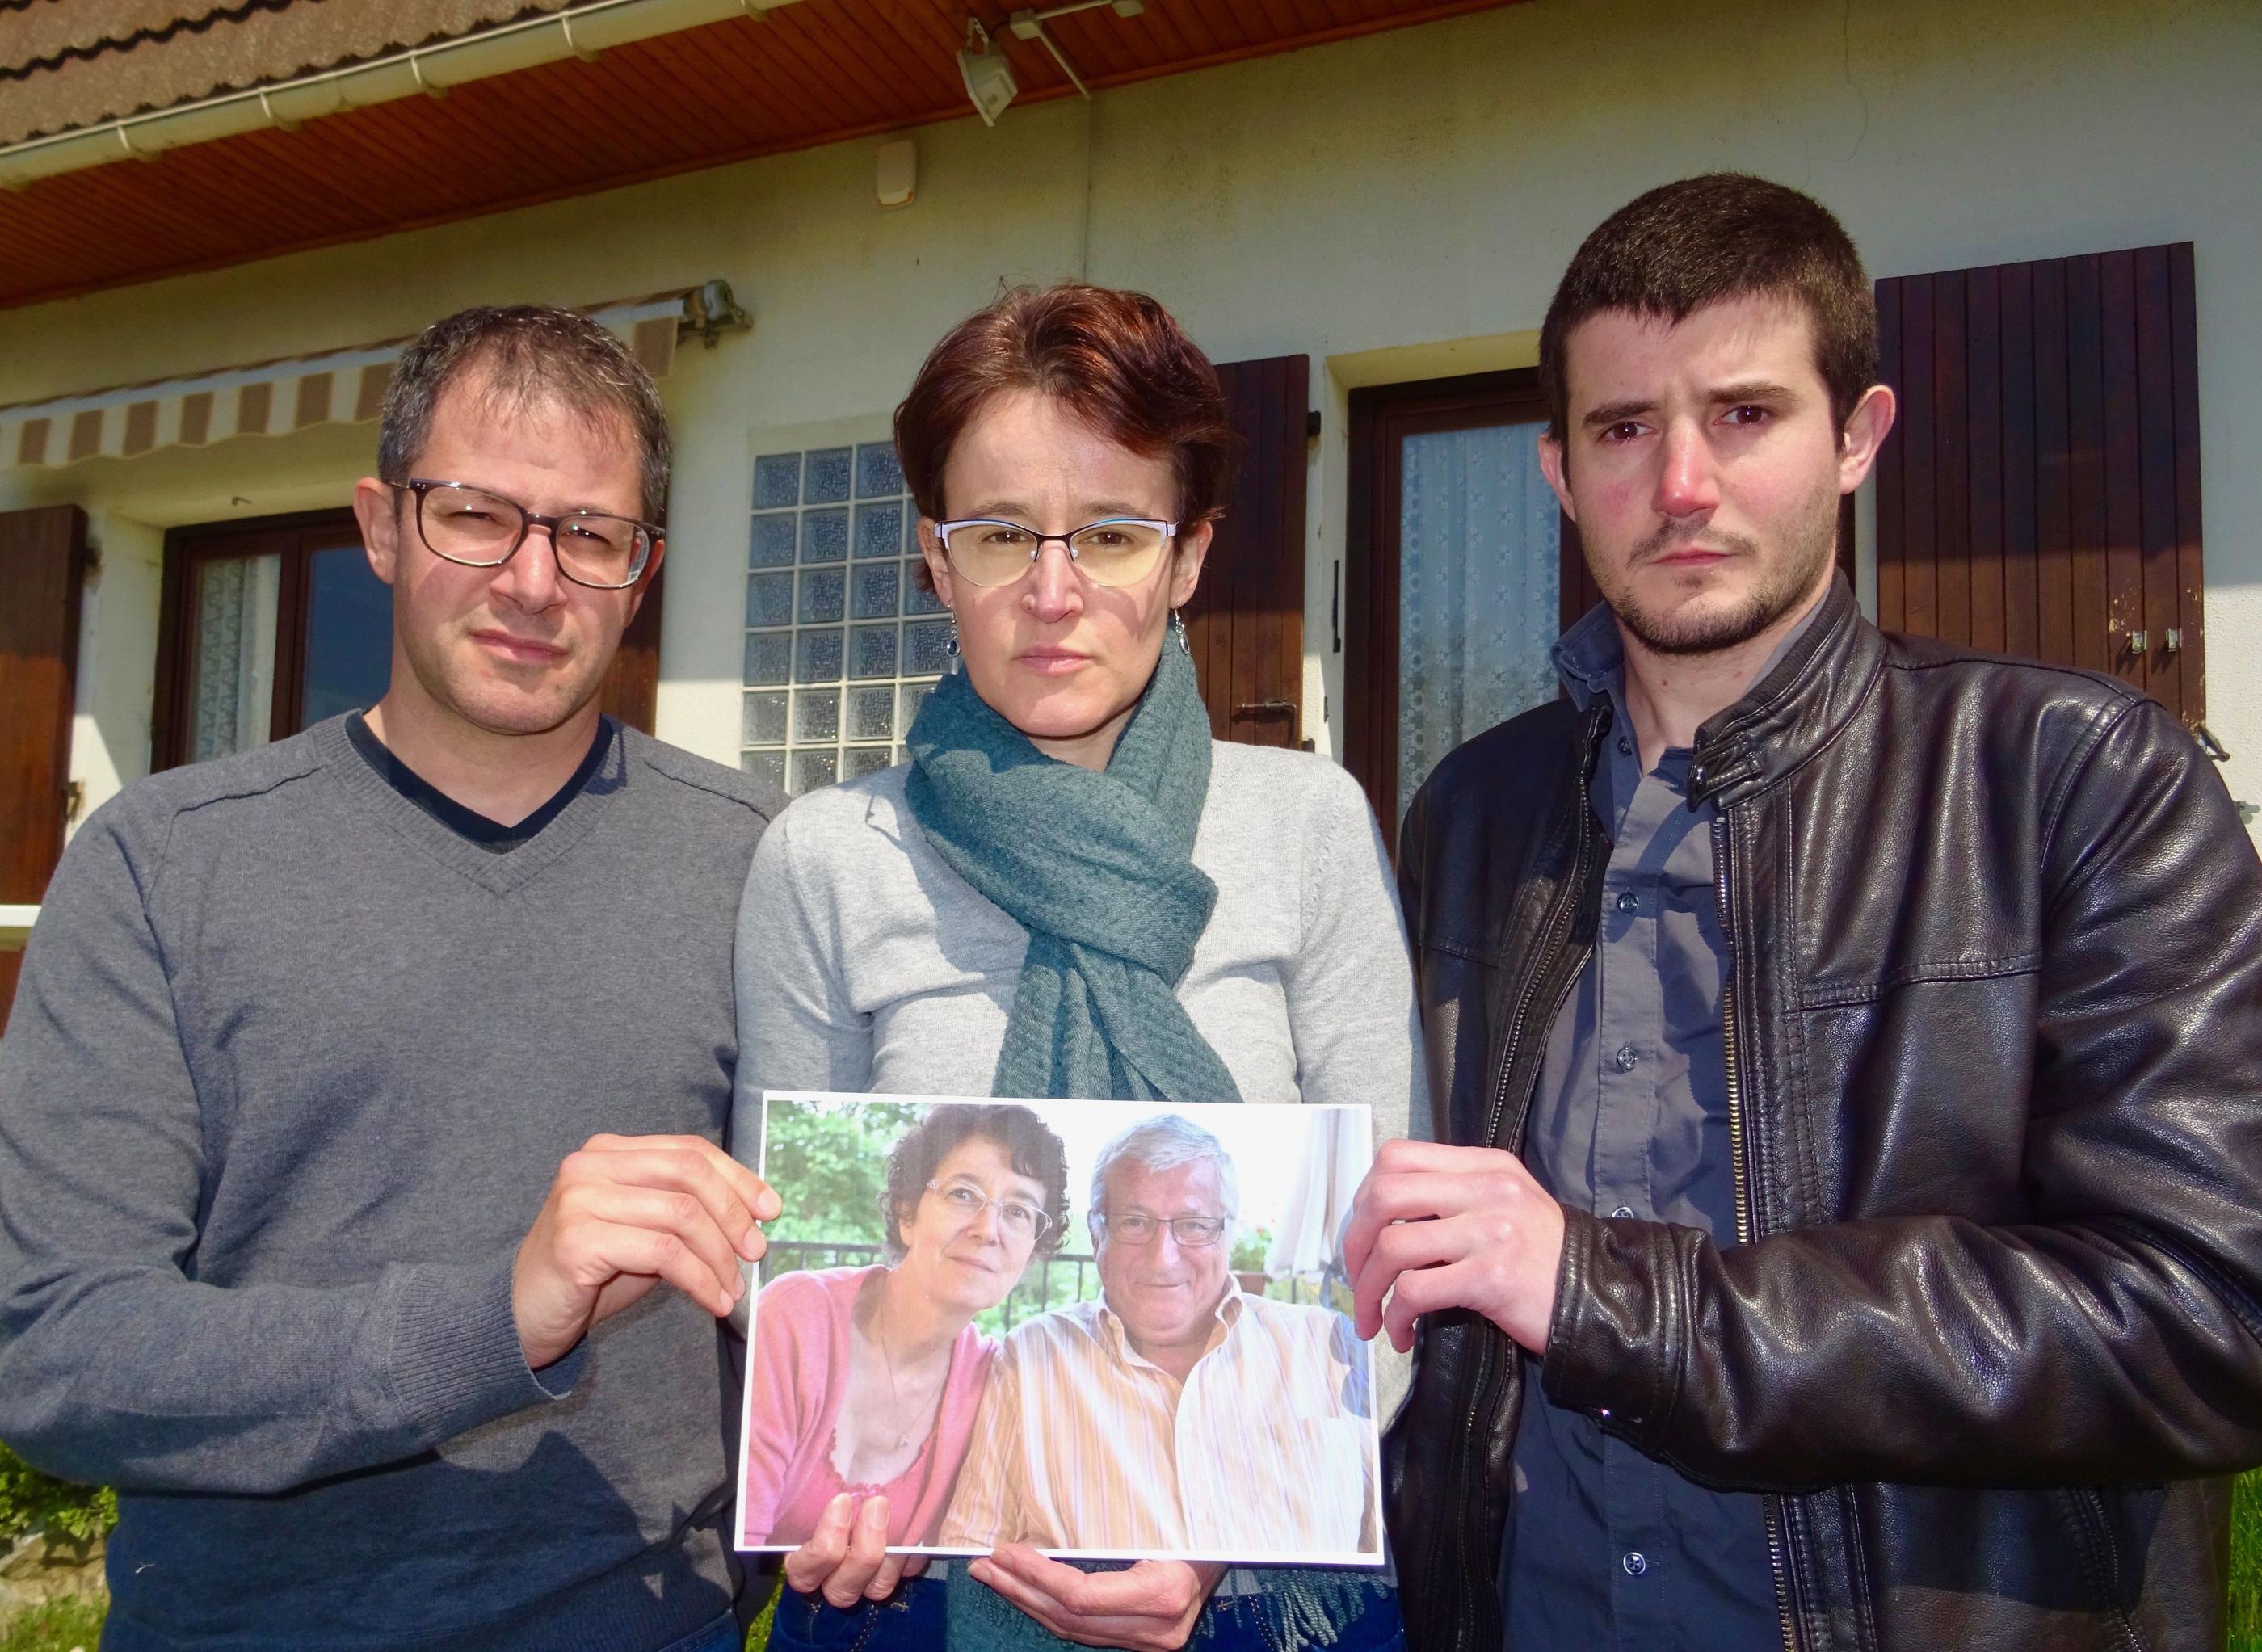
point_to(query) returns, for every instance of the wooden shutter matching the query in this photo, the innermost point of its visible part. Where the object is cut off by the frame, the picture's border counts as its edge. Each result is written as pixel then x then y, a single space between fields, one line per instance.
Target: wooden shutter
pixel 1246 622
pixel 42 570
pixel 2040 495
pixel 631 690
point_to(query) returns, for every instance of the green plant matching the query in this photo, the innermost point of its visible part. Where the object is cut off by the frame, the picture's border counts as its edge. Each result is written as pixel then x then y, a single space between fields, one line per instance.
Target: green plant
pixel 2246 1564
pixel 58 1627
pixel 1248 1250
pixel 30 1500
pixel 828 1161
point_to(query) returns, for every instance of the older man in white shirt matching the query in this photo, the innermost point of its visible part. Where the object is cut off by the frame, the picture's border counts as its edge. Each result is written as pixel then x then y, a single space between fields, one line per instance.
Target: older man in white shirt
pixel 1178 1414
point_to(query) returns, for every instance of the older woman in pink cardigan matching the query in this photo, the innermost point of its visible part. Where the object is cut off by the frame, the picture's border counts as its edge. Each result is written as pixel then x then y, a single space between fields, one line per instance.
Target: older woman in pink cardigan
pixel 863 1381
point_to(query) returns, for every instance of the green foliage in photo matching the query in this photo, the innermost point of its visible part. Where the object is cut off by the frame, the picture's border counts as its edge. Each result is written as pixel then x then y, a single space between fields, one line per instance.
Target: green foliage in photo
pixel 829 1163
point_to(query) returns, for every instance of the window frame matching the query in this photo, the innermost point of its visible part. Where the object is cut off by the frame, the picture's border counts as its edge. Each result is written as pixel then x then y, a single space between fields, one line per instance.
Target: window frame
pixel 295 535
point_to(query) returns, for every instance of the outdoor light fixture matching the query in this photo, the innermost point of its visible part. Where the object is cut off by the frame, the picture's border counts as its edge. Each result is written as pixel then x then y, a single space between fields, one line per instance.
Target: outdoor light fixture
pixel 899 172
pixel 988 78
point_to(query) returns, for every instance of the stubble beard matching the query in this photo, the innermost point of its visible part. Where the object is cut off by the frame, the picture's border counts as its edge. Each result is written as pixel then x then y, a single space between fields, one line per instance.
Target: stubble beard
pixel 1696 629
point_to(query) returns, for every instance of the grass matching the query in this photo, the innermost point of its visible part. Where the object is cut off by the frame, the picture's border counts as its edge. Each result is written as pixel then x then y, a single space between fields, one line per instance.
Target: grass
pixel 2246 1566
pixel 55 1628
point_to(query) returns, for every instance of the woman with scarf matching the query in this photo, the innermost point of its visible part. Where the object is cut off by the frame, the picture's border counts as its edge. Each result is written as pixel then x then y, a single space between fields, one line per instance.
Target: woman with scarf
pixel 1071 890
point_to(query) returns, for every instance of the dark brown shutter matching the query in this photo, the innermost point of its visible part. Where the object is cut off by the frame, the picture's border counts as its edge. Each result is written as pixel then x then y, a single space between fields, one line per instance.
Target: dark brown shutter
pixel 1246 622
pixel 632 686
pixel 42 570
pixel 2040 495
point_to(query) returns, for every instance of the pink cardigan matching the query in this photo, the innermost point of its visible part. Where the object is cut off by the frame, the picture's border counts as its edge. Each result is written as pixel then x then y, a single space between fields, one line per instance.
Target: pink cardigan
pixel 797 1374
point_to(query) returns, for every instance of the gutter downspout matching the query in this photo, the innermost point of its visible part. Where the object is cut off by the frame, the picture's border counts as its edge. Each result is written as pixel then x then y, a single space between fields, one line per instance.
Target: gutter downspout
pixel 579 31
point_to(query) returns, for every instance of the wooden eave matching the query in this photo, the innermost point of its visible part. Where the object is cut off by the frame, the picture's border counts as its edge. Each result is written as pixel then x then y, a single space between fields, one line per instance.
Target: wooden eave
pixel 815 73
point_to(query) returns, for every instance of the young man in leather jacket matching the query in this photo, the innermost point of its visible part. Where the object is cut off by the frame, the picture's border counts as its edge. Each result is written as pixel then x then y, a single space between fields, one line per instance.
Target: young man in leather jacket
pixel 1844 1227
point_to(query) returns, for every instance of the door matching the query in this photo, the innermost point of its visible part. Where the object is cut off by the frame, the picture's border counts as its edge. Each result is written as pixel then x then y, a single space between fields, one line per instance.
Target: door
pixel 1461 572
pixel 1245 623
pixel 42 570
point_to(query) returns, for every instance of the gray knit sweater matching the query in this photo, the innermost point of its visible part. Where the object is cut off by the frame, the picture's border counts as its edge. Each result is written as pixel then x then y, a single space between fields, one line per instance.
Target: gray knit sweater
pixel 865 963
pixel 290 1070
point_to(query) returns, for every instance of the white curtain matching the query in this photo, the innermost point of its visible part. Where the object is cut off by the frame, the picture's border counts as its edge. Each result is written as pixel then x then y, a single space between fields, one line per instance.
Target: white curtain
pixel 1478 589
pixel 231 695
pixel 1333 1165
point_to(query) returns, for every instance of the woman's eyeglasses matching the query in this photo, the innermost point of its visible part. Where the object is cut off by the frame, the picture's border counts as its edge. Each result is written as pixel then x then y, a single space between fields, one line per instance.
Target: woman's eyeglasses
pixel 1121 550
pixel 967 1202
pixel 476 529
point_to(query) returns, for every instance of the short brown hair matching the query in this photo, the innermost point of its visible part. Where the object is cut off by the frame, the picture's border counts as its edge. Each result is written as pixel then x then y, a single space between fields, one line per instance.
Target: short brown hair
pixel 1723 235
pixel 531 354
pixel 1116 359
pixel 1028 1143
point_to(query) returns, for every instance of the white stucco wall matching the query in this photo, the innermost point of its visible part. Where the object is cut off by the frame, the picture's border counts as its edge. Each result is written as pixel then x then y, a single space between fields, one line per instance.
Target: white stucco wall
pixel 1404 191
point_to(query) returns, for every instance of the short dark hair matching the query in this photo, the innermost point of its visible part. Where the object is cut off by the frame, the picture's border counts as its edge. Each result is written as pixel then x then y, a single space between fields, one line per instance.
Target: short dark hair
pixel 1723 235
pixel 1033 1149
pixel 1117 360
pixel 531 354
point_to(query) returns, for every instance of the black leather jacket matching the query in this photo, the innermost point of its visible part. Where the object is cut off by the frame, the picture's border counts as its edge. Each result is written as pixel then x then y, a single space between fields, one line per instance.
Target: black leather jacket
pixel 1994 1043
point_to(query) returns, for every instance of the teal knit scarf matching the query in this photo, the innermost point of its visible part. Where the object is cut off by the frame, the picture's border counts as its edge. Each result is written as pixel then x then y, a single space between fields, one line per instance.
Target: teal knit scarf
pixel 1097 867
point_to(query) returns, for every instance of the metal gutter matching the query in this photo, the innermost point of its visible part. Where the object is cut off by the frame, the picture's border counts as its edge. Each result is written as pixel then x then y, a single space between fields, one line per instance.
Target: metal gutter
pixel 579 31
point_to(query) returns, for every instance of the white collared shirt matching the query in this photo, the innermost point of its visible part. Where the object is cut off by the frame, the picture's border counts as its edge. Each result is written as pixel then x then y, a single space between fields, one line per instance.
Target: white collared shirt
pixel 1264 1452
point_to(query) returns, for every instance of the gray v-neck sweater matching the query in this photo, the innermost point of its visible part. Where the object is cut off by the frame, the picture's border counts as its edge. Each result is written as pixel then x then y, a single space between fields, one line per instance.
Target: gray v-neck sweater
pixel 290 1072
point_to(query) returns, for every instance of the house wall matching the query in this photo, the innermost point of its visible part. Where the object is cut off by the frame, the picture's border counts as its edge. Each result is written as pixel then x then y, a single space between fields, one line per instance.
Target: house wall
pixel 1395 206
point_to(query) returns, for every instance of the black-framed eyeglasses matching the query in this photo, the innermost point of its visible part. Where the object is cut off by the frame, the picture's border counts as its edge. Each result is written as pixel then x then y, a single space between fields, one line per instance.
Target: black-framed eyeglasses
pixel 1121 551
pixel 1139 1229
pixel 478 528
pixel 967 1202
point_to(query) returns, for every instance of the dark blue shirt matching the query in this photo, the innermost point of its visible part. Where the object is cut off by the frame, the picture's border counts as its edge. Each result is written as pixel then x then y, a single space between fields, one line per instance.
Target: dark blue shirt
pixel 1606 1547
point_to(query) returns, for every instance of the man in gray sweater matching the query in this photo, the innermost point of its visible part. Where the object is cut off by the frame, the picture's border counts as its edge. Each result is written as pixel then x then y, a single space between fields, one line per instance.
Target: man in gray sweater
pixel 363 1217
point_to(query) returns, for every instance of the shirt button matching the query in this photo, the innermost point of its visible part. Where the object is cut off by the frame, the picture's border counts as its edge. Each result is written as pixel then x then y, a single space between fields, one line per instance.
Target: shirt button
pixel 1635 1562
pixel 1628 901
pixel 1627 1056
pixel 1623 1213
pixel 1625 745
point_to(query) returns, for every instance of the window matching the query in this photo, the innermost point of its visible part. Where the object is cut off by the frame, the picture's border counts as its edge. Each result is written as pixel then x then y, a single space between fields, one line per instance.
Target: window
pixel 842 644
pixel 268 627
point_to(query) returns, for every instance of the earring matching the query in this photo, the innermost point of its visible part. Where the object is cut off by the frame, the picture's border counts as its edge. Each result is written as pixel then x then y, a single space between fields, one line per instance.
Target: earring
pixel 951 648
pixel 1178 630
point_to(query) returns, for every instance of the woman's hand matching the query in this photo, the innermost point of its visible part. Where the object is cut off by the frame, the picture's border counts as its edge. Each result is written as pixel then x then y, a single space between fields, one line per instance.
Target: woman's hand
pixel 846 1559
pixel 1150 1608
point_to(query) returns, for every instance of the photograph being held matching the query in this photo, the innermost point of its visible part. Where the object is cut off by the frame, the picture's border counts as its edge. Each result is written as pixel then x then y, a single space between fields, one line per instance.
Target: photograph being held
pixel 863 1381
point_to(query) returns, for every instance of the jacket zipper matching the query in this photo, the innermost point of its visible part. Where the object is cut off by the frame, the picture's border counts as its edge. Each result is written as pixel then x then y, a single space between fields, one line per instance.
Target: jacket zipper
pixel 1558 923
pixel 1770 1508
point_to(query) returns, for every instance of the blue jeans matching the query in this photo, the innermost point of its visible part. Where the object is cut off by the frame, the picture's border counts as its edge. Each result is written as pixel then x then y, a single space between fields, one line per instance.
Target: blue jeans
pixel 913 1622
pixel 722 1636
pixel 910 1620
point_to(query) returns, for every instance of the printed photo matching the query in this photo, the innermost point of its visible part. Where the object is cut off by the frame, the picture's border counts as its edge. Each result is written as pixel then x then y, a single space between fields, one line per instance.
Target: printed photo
pixel 1107 1329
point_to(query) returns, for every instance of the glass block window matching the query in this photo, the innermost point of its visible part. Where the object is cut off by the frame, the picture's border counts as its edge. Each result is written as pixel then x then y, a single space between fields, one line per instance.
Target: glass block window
pixel 841 643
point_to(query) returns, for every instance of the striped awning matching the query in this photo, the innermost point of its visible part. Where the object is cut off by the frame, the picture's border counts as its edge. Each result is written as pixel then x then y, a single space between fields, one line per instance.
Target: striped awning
pixel 275 398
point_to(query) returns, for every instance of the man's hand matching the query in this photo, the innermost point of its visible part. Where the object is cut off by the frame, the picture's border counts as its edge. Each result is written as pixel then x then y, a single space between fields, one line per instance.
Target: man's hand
pixel 625 1212
pixel 1452 1227
pixel 846 1557
pixel 1150 1608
